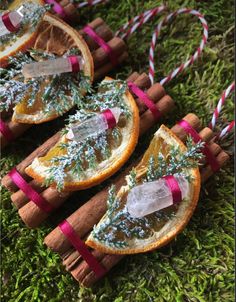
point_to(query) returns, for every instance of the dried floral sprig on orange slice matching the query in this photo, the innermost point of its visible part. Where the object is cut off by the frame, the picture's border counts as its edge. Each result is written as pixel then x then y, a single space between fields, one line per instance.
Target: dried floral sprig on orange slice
pixel 44 98
pixel 119 232
pixel 71 165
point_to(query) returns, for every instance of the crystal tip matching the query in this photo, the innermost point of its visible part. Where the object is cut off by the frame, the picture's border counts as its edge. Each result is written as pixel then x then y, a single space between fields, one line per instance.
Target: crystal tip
pixel 70 135
pixel 116 111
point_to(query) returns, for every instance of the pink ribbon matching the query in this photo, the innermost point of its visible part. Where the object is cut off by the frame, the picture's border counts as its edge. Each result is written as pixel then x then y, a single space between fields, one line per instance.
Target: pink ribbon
pixel 80 246
pixel 174 188
pixel 90 32
pixel 74 63
pixel 145 99
pixel 206 151
pixel 5 130
pixel 29 191
pixel 58 9
pixel 109 116
pixel 7 22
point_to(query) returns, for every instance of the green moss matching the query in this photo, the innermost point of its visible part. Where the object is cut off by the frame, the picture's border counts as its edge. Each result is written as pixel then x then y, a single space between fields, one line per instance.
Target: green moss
pixel 199 265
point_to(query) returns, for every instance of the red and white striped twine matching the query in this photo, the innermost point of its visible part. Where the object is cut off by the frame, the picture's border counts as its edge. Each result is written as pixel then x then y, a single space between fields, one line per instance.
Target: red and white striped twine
pixel 217 111
pixel 188 62
pixel 90 3
pixel 227 129
pixel 133 24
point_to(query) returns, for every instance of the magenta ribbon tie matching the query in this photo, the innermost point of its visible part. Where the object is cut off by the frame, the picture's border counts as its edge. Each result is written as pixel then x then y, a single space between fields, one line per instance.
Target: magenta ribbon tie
pixel 145 99
pixel 74 63
pixel 205 150
pixel 109 116
pixel 30 192
pixel 58 9
pixel 6 131
pixel 90 32
pixel 174 188
pixel 80 246
pixel 7 22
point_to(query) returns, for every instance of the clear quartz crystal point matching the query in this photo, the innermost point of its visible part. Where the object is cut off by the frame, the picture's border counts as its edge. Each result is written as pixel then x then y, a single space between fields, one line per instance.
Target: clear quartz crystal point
pixel 49 67
pixel 153 196
pixel 94 125
pixel 15 18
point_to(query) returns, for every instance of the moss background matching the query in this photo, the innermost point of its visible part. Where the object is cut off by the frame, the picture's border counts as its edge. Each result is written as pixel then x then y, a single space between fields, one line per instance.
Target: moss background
pixel 199 265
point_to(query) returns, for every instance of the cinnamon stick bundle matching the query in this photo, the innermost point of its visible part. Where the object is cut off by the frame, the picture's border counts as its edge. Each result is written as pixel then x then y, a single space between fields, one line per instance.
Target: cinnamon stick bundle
pixel 102 66
pixel 72 13
pixel 86 217
pixel 31 214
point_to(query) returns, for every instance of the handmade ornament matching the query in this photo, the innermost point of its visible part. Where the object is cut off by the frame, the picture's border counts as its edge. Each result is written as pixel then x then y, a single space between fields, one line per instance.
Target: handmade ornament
pixel 95 125
pixel 10 22
pixel 154 196
pixel 150 113
pixel 23 113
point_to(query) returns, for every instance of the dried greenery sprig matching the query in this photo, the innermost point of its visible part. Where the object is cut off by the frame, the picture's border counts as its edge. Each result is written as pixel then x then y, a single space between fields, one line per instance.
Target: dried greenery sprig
pixel 78 154
pixel 177 161
pixel 109 95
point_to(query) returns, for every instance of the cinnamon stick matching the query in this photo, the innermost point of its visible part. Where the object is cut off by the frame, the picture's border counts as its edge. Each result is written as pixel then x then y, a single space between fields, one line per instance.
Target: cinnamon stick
pixel 194 122
pixel 16 128
pixel 40 151
pixel 221 158
pixel 101 29
pixel 157 91
pixel 106 68
pixel 20 199
pixel 147 119
pixel 100 57
pixel 32 215
pixel 71 11
pixel 82 272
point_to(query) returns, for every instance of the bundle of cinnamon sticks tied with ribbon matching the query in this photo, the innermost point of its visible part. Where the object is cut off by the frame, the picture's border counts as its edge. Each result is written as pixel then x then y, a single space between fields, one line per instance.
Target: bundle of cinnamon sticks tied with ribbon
pixel 88 215
pixel 107 51
pixel 28 209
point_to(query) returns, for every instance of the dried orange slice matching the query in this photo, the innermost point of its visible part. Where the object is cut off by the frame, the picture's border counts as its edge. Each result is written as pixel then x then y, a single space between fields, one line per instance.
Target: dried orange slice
pixel 120 148
pixel 117 233
pixel 56 37
pixel 20 41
